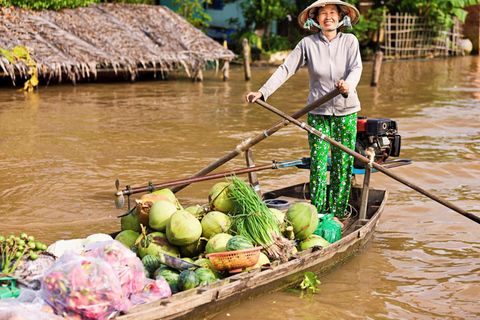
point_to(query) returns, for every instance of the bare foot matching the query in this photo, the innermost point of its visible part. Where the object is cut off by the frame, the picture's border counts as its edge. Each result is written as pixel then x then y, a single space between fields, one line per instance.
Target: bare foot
pixel 336 219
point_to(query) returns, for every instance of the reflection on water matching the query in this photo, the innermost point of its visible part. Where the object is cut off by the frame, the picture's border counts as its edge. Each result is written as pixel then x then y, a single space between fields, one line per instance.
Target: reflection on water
pixel 62 148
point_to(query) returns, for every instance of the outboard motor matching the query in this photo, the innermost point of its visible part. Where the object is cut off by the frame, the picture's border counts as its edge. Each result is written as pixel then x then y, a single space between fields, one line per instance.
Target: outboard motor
pixel 379 134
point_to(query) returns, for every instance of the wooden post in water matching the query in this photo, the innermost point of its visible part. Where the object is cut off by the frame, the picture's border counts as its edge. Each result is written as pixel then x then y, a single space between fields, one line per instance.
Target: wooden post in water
pixel 377 64
pixel 246 59
pixel 197 72
pixel 226 64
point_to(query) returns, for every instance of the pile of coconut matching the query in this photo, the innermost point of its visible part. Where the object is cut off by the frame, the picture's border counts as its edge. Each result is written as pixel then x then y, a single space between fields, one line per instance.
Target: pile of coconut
pixel 159 224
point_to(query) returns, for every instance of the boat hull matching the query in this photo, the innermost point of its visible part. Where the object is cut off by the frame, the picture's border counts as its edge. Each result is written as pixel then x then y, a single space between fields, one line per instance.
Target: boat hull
pixel 207 301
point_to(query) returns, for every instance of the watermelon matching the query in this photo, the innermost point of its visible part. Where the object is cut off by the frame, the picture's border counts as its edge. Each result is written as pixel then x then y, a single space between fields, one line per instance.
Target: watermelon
pixel 169 274
pixel 206 263
pixel 206 275
pixel 151 263
pixel 187 280
pixel 238 243
pixel 174 287
pixel 147 273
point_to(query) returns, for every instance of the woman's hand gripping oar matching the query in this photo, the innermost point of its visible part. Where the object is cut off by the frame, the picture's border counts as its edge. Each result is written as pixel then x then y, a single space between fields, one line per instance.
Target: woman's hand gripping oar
pixel 265 134
pixel 365 160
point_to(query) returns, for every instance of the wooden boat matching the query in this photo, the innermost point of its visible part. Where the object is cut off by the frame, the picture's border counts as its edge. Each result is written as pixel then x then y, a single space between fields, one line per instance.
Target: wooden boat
pixel 206 301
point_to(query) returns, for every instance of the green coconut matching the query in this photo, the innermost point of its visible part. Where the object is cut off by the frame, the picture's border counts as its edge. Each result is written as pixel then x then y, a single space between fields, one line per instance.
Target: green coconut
pixel 183 228
pixel 131 222
pixel 201 212
pixel 262 260
pixel 312 241
pixel 218 243
pixel 127 237
pixel 220 198
pixel 168 193
pixel 215 222
pixel 193 249
pixel 159 214
pixel 192 210
pixel 155 243
pixel 304 219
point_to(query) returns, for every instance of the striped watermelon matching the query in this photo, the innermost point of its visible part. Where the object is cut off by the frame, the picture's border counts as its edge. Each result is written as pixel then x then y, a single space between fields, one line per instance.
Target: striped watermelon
pixel 151 263
pixel 206 275
pixel 187 280
pixel 238 243
pixel 169 274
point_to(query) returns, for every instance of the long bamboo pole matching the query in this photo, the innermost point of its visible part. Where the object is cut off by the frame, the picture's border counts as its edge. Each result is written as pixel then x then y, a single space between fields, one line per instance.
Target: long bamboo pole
pixel 378 167
pixel 119 195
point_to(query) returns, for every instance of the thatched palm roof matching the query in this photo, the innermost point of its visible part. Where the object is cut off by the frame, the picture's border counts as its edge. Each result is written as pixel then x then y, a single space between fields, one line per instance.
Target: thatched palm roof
pixel 79 42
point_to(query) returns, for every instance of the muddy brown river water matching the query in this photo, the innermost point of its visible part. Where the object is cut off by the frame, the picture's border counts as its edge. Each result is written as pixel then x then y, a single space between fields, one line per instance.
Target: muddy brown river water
pixel 63 147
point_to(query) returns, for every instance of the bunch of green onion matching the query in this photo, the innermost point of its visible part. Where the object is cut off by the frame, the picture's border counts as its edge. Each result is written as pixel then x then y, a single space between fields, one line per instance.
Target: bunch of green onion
pixel 254 220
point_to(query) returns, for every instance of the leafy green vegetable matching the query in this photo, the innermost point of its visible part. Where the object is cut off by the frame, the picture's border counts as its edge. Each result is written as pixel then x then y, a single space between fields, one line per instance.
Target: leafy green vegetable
pixel 254 220
pixel 310 282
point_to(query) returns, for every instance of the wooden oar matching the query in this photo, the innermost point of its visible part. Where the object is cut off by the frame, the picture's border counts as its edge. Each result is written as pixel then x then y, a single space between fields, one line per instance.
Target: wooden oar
pixel 378 167
pixel 119 195
pixel 265 134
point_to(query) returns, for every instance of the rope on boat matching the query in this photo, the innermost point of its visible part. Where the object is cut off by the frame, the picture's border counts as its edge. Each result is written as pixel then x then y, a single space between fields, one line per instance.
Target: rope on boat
pixel 243 146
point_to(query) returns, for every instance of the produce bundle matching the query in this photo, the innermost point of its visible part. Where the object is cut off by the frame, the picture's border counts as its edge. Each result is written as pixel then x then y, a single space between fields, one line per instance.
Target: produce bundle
pixel 99 282
pixel 235 219
pixel 13 249
pixel 85 287
pixel 127 267
pixel 254 220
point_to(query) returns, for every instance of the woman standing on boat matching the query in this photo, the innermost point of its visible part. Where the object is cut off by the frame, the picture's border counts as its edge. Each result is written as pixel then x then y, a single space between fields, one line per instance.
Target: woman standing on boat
pixel 333 59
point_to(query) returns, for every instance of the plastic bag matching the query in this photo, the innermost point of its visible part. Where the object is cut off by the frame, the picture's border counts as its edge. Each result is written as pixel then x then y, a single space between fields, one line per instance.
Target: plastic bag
pixel 84 286
pixel 127 265
pixel 13 309
pixel 329 229
pixel 153 291
pixel 61 246
pixel 30 272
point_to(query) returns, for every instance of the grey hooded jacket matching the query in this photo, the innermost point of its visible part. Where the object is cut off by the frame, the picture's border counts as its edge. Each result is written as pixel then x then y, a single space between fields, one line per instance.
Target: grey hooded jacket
pixel 327 63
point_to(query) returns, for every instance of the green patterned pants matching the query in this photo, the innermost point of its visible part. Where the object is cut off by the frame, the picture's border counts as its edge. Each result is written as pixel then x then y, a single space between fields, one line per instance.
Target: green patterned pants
pixel 344 130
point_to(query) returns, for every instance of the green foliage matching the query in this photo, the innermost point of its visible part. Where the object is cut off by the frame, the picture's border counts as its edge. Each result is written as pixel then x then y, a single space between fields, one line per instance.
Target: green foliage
pixel 194 12
pixel 309 282
pixel 261 13
pixel 367 25
pixel 21 53
pixel 276 43
pixel 60 4
pixel 151 2
pixel 259 16
pixel 438 12
pixel 47 4
pixel 253 39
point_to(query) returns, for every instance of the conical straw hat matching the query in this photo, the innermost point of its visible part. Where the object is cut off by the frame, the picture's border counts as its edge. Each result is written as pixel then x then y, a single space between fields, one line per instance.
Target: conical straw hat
pixel 346 8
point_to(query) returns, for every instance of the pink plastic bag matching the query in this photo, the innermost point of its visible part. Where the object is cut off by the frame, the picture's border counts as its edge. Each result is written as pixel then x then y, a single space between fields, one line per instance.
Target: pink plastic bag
pixel 153 291
pixel 83 287
pixel 127 265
